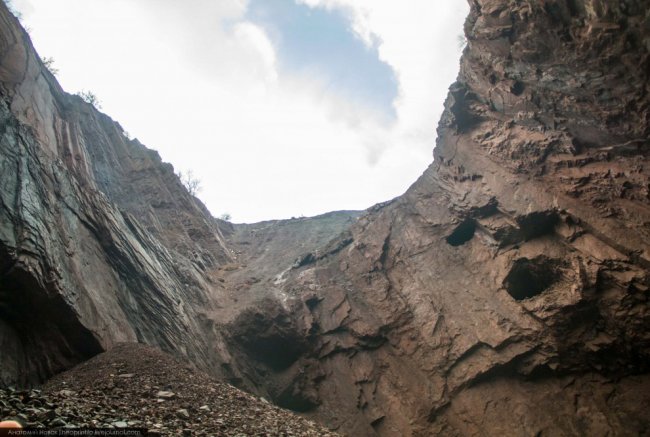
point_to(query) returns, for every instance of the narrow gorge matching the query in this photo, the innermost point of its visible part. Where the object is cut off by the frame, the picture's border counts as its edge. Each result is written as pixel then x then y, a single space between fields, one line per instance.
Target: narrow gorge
pixel 505 293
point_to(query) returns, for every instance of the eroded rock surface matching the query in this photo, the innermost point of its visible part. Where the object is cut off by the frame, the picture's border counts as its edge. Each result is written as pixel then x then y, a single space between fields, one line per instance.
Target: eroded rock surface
pixel 505 293
pixel 99 242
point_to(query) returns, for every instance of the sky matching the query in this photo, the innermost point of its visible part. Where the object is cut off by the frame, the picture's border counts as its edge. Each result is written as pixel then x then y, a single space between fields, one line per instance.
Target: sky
pixel 282 108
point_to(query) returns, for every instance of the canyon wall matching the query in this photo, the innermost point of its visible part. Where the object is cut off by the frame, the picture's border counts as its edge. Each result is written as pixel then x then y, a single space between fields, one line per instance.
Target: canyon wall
pixel 99 241
pixel 506 292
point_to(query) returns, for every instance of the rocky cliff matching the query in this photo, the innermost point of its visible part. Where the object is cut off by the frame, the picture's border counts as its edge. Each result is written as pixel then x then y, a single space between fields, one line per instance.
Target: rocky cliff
pixel 505 293
pixel 99 240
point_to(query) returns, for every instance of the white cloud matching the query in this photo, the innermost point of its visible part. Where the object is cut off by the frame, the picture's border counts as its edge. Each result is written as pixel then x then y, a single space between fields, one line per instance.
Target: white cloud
pixel 199 83
pixel 418 39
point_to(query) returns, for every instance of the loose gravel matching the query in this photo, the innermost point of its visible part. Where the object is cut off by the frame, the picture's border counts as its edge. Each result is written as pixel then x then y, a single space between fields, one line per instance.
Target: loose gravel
pixel 137 386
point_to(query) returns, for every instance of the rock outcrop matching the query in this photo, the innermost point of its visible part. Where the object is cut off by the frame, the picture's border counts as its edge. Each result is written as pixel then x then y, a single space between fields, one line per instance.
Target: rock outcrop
pixel 99 242
pixel 505 293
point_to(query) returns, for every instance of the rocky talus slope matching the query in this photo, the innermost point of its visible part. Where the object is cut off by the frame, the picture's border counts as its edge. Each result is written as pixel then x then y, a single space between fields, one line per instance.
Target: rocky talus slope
pixel 506 293
pixel 137 386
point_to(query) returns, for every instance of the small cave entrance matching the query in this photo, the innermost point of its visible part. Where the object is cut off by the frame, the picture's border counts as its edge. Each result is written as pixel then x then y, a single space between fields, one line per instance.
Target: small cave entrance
pixel 270 337
pixel 40 334
pixel 517 88
pixel 277 350
pixel 537 224
pixel 530 277
pixel 462 234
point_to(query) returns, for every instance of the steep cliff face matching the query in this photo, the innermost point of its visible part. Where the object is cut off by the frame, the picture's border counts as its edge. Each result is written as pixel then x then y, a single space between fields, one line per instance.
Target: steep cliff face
pixel 505 293
pixel 507 290
pixel 100 242
pixel 78 270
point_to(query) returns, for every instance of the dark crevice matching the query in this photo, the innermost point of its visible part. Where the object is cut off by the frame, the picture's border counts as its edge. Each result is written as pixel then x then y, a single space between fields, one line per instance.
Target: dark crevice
pixel 305 260
pixel 332 248
pixel 530 277
pixel 377 422
pixel 269 336
pixel 297 398
pixel 518 88
pixel 313 302
pixel 537 224
pixel 458 104
pixel 463 233
pixel 383 258
pixel 487 210
pixel 45 334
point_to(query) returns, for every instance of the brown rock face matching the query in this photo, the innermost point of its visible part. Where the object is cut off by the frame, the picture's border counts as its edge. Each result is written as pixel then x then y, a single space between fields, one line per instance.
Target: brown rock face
pixel 506 293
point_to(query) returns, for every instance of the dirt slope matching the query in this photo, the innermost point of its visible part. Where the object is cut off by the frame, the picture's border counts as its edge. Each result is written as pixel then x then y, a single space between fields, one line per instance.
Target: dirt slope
pixel 140 387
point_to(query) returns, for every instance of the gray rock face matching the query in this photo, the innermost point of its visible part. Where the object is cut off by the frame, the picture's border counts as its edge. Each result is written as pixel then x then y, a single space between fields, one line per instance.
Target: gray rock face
pixel 79 271
pixel 99 241
pixel 505 293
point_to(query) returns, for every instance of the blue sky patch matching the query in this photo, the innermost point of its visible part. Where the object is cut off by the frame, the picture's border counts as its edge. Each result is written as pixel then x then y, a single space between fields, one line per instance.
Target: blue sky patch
pixel 315 39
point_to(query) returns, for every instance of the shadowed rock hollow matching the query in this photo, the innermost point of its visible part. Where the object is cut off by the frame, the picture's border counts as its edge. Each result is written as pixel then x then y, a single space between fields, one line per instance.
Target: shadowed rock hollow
pixel 506 292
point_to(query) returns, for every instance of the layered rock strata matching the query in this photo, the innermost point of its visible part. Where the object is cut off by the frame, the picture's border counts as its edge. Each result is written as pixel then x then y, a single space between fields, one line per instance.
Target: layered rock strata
pixel 99 241
pixel 507 291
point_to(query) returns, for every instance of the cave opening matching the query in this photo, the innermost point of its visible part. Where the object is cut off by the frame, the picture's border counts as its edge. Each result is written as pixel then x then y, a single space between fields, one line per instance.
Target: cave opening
pixel 530 277
pixel 276 351
pixel 537 224
pixel 462 234
pixel 518 88
pixel 271 338
pixel 39 333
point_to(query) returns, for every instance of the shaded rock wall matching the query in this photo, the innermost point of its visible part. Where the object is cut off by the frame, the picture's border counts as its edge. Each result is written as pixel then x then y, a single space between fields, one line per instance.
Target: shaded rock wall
pixel 99 241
